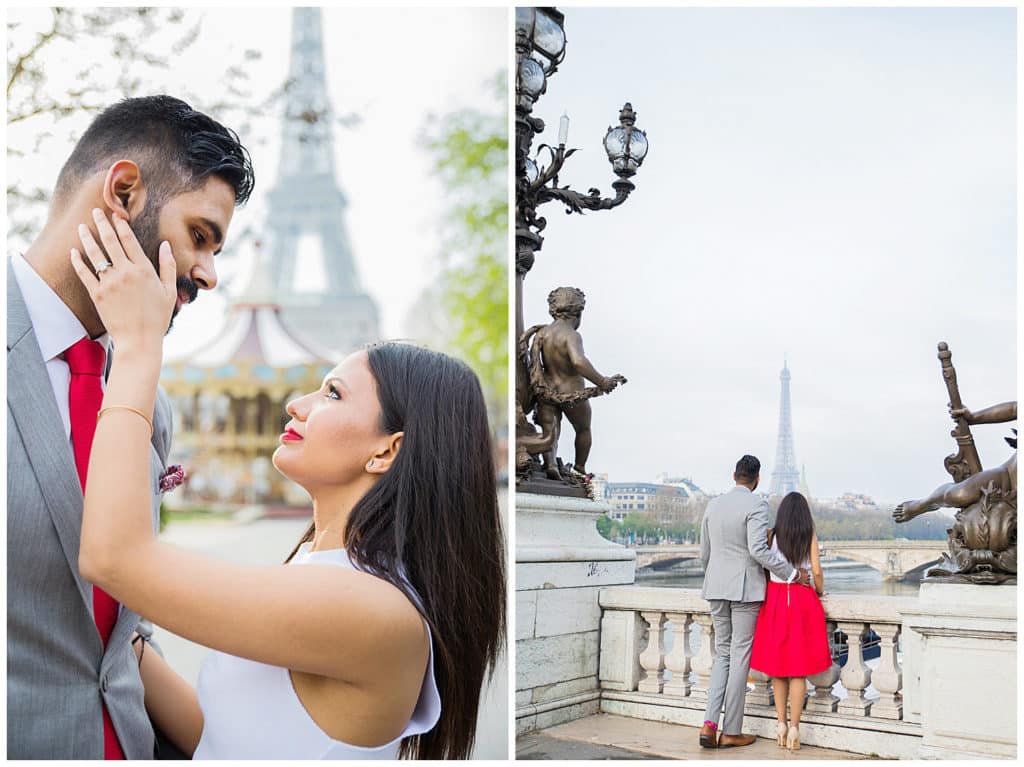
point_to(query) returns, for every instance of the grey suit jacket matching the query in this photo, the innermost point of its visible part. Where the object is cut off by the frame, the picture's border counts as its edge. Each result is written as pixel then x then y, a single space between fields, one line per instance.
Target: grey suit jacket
pixel 734 548
pixel 57 669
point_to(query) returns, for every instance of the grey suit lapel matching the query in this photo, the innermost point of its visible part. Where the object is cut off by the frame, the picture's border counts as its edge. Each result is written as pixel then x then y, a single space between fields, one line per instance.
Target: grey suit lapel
pixel 33 411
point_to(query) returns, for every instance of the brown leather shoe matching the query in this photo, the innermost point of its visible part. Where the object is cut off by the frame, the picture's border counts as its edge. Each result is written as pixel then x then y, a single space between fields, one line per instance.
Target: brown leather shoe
pixel 708 737
pixel 731 741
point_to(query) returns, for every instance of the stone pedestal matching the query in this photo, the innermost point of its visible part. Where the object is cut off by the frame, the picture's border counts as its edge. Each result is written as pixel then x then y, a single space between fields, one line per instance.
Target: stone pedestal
pixel 562 562
pixel 960 672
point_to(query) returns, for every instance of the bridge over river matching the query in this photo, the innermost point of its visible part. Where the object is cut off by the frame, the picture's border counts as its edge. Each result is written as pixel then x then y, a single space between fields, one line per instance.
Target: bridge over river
pixel 895 560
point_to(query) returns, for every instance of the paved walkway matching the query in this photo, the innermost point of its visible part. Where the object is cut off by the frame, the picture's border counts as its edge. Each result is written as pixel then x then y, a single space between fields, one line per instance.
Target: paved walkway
pixel 604 736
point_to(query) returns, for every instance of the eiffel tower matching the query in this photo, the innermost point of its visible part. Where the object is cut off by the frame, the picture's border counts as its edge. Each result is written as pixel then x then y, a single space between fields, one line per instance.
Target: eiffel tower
pixel 310 259
pixel 785 477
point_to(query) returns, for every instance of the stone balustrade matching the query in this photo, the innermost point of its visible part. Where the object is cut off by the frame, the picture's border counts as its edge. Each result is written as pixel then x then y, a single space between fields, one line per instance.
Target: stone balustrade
pixel 588 640
pixel 657 649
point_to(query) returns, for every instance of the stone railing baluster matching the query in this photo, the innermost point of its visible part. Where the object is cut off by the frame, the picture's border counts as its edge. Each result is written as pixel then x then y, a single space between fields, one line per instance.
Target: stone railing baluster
pixel 658 648
pixel 855 676
pixel 701 664
pixel 888 677
pixel 652 659
pixel 678 660
pixel 823 699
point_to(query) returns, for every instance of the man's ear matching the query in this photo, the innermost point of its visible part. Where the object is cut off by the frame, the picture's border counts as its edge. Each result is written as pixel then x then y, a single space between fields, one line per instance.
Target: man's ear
pixel 124 194
pixel 385 456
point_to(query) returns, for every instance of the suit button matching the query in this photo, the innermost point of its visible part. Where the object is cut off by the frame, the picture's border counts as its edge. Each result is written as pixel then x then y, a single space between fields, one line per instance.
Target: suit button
pixel 103 683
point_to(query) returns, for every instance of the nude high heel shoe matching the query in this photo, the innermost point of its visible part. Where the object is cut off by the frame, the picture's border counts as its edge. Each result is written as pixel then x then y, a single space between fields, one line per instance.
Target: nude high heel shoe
pixel 793 738
pixel 781 733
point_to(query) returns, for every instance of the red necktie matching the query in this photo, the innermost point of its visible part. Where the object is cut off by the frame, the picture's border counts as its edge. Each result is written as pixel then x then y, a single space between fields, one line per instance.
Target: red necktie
pixel 86 359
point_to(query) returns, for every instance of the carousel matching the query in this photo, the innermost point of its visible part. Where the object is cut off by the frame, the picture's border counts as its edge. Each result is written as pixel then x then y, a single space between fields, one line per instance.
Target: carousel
pixel 229 399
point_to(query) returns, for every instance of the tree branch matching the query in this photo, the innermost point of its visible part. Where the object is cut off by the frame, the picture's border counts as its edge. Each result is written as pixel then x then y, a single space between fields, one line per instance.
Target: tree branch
pixel 19 65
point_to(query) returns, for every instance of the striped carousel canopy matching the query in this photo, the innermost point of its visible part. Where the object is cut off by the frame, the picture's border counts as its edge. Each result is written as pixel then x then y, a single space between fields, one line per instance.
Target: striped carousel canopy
pixel 254 343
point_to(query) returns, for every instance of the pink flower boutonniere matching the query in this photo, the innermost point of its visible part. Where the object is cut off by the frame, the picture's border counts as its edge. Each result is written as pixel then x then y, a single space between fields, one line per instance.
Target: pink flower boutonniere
pixel 171 478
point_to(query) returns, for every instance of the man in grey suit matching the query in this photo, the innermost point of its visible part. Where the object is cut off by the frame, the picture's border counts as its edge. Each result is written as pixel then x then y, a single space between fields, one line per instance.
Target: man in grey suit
pixel 73 684
pixel 734 551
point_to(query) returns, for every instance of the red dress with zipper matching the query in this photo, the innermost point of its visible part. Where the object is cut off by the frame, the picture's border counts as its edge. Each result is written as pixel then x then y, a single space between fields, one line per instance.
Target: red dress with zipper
pixel 790 637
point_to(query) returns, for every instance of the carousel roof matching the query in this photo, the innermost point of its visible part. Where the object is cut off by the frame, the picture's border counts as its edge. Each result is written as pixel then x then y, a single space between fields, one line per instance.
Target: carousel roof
pixel 253 332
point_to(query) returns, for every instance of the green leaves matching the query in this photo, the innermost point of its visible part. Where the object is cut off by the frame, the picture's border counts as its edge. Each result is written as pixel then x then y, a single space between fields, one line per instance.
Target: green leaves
pixel 470 151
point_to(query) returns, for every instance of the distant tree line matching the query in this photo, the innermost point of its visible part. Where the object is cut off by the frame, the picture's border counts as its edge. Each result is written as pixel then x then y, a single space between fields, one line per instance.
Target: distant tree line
pixel 832 524
pixel 644 529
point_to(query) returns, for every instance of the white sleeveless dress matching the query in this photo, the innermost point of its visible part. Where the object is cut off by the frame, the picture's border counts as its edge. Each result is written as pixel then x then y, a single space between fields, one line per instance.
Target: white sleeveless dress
pixel 251 711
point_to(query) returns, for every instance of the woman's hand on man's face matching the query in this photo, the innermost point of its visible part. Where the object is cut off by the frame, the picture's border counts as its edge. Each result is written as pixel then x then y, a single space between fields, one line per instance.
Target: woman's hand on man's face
pixel 134 303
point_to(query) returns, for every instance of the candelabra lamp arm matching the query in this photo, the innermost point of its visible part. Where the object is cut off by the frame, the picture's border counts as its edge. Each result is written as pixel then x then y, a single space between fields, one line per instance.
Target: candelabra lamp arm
pixel 577 203
pixel 622 189
pixel 550 172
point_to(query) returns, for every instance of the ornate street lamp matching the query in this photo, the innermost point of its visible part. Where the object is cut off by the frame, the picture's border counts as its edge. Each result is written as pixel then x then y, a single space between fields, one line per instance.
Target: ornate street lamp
pixel 544 29
pixel 626 145
pixel 540 49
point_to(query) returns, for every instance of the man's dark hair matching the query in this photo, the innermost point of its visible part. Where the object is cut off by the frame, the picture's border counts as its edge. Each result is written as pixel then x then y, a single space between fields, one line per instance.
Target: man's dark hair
pixel 175 147
pixel 747 468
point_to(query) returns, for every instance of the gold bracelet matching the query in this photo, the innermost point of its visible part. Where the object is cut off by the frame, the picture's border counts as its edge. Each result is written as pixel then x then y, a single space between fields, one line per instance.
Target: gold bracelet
pixel 99 415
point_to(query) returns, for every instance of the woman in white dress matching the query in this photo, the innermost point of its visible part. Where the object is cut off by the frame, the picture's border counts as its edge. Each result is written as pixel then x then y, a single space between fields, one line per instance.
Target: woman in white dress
pixel 373 641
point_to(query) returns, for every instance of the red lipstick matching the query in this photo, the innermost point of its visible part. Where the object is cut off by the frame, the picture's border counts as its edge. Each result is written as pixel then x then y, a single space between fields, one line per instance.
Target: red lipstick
pixel 290 435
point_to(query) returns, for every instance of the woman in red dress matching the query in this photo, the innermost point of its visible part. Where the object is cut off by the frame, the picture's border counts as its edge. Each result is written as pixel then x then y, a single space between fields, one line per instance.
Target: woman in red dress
pixel 790 641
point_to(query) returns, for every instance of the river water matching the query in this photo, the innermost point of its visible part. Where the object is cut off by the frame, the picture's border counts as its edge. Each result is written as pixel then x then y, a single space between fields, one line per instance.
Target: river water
pixel 845 578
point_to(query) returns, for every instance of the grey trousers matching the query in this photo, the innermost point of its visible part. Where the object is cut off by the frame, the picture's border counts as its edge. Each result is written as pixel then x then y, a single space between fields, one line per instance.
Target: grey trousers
pixel 734 637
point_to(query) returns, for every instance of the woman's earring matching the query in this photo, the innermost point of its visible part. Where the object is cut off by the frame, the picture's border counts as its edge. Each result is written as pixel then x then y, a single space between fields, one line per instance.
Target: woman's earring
pixel 370 464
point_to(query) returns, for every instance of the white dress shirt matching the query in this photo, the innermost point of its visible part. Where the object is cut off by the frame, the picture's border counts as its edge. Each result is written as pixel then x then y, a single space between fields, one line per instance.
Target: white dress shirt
pixel 56 328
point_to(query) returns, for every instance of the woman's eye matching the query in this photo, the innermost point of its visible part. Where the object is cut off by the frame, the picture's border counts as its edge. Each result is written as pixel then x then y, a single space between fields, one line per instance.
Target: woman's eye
pixel 199 236
pixel 333 392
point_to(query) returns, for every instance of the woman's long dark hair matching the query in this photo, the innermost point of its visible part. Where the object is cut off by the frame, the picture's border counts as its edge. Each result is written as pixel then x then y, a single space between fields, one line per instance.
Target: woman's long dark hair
pixel 434 518
pixel 794 528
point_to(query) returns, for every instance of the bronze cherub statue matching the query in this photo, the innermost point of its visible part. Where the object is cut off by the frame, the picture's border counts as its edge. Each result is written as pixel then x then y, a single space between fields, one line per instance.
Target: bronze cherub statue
pixel 557 367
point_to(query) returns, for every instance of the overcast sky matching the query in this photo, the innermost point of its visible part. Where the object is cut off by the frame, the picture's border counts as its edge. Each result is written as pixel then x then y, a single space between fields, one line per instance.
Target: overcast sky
pixel 393 67
pixel 834 187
